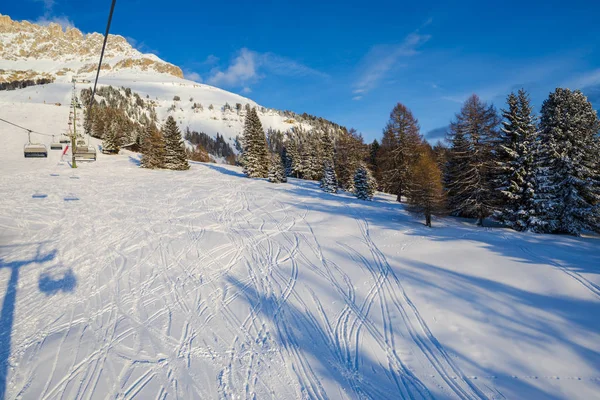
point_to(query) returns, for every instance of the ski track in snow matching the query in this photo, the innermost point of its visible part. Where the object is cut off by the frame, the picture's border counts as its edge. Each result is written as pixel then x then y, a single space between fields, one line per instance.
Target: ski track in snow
pixel 205 284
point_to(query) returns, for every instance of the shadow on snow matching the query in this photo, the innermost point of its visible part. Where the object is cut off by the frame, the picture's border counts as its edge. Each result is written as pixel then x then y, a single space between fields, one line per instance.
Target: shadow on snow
pixel 49 283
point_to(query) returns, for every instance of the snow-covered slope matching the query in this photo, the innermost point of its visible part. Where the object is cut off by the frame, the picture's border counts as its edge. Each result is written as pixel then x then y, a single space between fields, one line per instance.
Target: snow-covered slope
pixel 29 51
pixel 119 282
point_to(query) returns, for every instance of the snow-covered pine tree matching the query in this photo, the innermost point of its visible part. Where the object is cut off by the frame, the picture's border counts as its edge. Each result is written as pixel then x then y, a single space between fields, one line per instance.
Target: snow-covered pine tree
pixel 287 161
pixel 292 156
pixel 276 171
pixel 254 151
pixel 469 185
pixel 515 163
pixel 364 183
pixel 110 142
pixel 327 149
pixel 153 149
pixel 567 196
pixel 175 157
pixel 329 180
pixel 311 170
pixel 425 192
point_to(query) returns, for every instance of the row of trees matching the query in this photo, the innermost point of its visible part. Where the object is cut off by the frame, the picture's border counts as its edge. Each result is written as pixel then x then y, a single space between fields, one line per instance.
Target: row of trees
pixel 541 175
pixel 308 155
pixel 22 84
pixel 538 175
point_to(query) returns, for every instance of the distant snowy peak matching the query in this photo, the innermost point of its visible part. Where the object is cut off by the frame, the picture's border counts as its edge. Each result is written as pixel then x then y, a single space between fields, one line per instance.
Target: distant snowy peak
pixel 25 46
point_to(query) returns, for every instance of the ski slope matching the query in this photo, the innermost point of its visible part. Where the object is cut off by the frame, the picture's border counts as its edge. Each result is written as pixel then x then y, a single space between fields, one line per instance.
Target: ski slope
pixel 120 282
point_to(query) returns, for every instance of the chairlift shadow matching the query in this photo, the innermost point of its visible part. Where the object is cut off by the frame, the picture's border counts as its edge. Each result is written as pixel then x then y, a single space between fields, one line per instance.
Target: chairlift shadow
pixel 56 280
pixel 71 197
pixel 39 196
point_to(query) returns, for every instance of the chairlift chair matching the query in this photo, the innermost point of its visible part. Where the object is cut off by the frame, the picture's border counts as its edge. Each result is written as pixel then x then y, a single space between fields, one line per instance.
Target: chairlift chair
pixel 31 150
pixel 64 139
pixel 55 145
pixel 85 153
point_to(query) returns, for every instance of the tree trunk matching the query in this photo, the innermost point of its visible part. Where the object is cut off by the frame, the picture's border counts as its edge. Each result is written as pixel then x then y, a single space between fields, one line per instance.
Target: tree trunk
pixel 399 196
pixel 428 219
pixel 480 220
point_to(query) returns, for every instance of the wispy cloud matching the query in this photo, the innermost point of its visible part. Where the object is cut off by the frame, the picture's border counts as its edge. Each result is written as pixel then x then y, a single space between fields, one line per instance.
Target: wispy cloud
pixel 48 4
pixel 49 17
pixel 249 67
pixel 380 59
pixel 192 76
pixel 62 20
pixel 581 81
pixel 537 77
pixel 141 46
pixel 210 60
pixel 246 90
pixel 356 98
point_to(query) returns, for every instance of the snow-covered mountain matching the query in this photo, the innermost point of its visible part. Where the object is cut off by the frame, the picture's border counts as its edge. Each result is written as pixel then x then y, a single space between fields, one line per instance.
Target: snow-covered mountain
pixel 29 52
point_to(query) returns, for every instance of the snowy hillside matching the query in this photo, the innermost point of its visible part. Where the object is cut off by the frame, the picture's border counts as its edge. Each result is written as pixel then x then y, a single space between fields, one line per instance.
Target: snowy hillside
pixel 117 281
pixel 29 51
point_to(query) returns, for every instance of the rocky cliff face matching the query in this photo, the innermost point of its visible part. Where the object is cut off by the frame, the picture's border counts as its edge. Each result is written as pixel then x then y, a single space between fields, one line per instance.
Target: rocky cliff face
pixel 22 41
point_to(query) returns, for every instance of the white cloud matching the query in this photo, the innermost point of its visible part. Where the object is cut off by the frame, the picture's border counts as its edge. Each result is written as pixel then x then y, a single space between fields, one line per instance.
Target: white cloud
pixel 192 76
pixel 241 71
pixel 63 21
pixel 246 90
pixel 249 66
pixel 382 58
pixel 357 98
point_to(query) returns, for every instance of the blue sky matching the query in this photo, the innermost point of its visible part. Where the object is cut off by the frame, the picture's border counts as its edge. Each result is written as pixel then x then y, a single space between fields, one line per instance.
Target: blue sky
pixel 352 61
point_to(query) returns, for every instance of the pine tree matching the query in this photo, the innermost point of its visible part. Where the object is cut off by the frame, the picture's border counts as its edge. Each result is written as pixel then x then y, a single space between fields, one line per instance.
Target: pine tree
pixel 399 150
pixel 364 183
pixel 470 189
pixel 425 192
pixel 515 158
pixel 327 148
pixel 373 159
pixel 255 153
pixel 153 149
pixel 568 186
pixel 276 171
pixel 111 141
pixel 350 152
pixel 175 157
pixel 311 170
pixel 292 157
pixel 329 181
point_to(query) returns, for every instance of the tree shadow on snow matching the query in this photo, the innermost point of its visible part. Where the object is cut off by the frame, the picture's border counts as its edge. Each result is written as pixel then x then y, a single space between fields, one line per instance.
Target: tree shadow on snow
pixel 318 357
pixel 223 170
pixel 505 307
pixel 135 161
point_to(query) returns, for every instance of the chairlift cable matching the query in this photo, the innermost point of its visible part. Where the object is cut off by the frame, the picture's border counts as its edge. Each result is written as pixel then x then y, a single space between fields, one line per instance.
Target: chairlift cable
pixel 25 129
pixel 110 15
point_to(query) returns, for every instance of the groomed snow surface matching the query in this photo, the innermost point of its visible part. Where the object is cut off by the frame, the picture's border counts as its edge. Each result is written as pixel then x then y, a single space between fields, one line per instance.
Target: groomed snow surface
pixel 120 282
